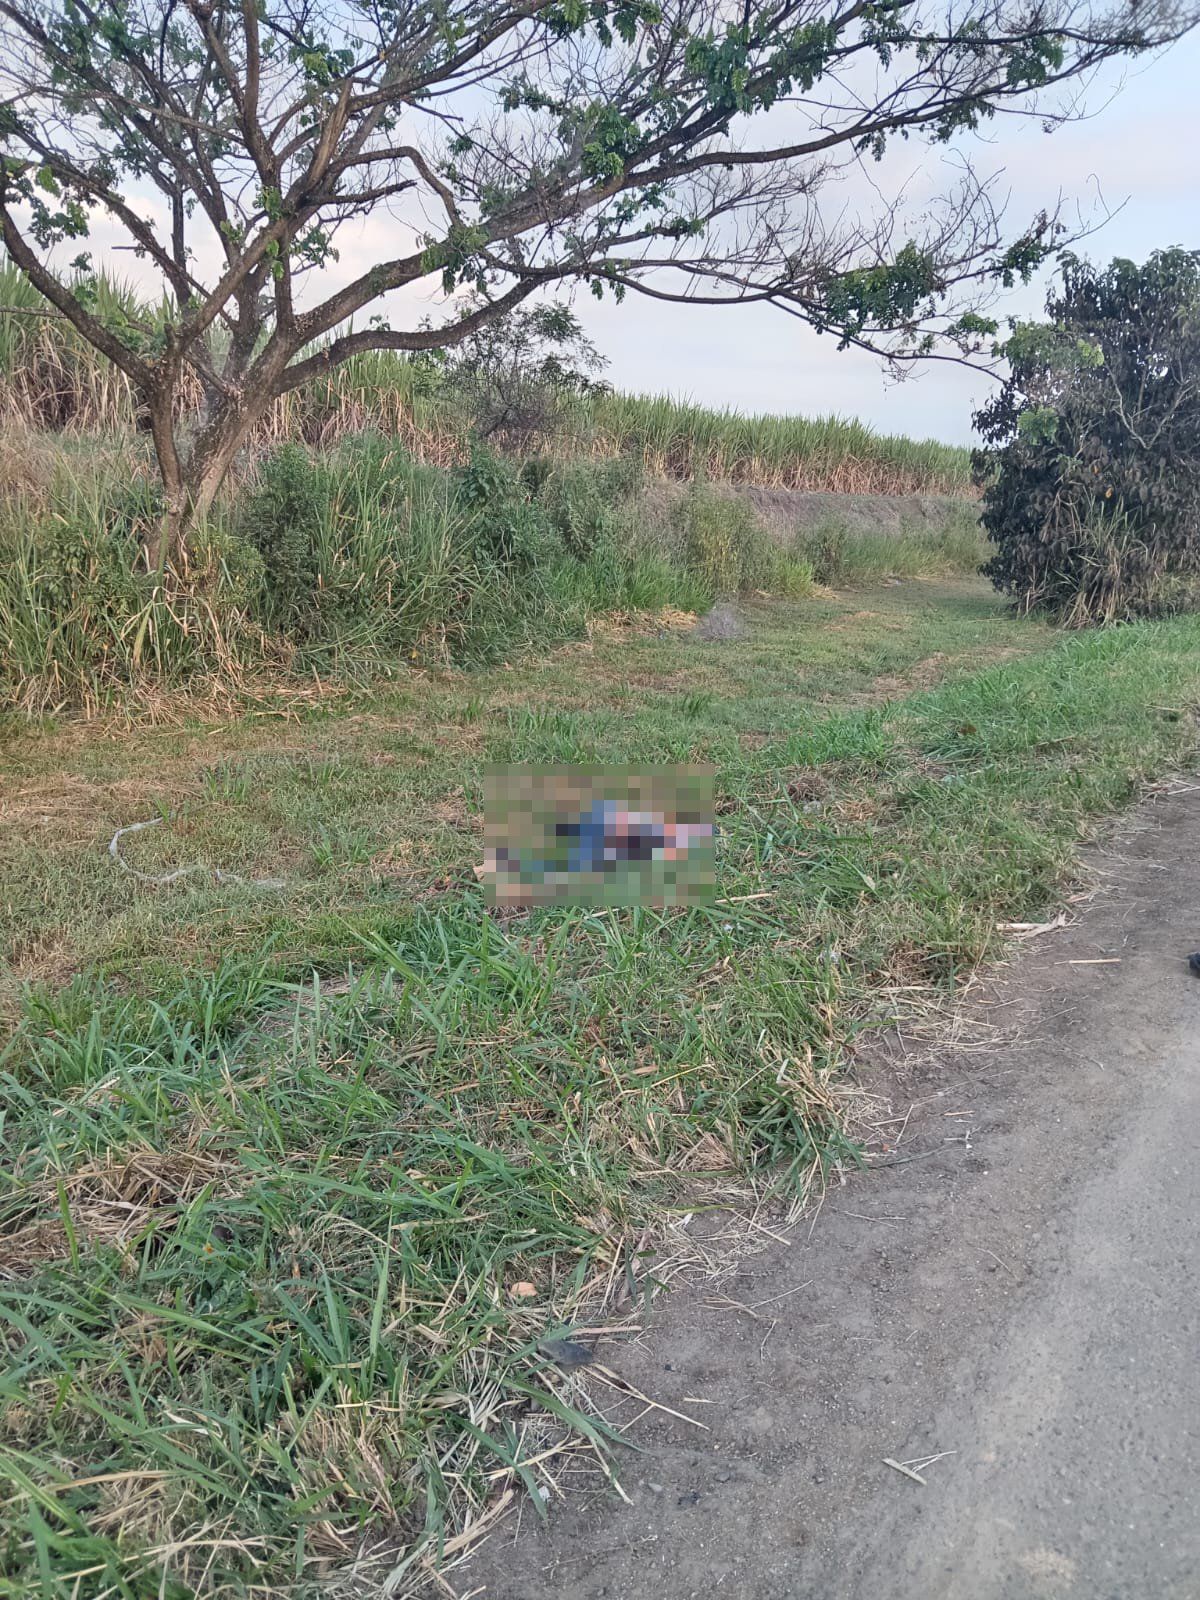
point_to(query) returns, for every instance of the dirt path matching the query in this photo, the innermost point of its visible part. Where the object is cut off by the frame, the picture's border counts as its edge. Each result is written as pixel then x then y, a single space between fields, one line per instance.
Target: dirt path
pixel 1024 1295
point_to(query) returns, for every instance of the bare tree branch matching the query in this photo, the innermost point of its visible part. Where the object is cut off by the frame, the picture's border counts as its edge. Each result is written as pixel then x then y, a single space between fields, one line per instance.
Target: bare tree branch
pixel 681 149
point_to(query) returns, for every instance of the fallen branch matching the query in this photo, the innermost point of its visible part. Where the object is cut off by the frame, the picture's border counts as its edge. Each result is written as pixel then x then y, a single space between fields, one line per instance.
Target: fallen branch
pixel 1030 930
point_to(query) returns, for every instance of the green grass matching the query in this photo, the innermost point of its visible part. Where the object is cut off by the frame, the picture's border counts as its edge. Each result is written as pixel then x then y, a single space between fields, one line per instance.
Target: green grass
pixel 260 1232
pixel 342 563
pixel 398 765
pixel 839 555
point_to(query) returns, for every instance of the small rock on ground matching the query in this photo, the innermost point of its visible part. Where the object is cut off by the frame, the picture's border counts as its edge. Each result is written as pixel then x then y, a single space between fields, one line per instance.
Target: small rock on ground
pixel 722 622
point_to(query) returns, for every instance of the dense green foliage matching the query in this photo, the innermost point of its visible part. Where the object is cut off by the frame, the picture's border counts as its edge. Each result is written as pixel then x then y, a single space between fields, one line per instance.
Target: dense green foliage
pixel 356 559
pixel 1092 471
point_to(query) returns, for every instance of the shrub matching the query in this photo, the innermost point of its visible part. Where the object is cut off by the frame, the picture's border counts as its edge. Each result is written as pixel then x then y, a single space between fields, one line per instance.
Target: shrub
pixel 542 511
pixel 1091 472
pixel 587 505
pixel 510 527
pixel 517 378
pixel 728 549
pixel 282 518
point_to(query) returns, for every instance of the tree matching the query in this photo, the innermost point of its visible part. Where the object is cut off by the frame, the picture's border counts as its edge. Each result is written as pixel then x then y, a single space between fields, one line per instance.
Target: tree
pixel 1092 471
pixel 514 373
pixel 675 147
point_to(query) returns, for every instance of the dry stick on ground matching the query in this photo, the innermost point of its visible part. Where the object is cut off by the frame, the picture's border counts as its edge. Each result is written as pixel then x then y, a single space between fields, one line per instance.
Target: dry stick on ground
pixel 919 1463
pixel 1030 930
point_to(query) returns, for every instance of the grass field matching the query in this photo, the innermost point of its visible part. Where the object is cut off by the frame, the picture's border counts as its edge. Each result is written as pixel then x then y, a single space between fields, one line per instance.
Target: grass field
pixel 351 561
pixel 295 1179
pixel 50 378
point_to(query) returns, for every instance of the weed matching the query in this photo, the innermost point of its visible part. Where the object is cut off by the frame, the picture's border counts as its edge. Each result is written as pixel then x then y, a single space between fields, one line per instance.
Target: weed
pixel 839 555
pixel 227 782
pixel 338 847
pixel 281 518
pixel 729 551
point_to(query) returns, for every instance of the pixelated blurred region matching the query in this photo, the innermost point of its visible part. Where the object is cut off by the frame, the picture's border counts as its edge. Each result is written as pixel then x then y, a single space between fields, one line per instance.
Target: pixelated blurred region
pixel 599 835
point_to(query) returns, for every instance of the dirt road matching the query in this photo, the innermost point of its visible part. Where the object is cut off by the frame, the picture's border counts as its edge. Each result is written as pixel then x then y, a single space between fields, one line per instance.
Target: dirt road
pixel 1021 1301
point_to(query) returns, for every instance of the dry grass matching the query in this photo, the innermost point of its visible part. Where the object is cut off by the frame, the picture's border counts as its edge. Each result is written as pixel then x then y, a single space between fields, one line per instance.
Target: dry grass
pixel 107 1203
pixel 50 379
pixel 441 437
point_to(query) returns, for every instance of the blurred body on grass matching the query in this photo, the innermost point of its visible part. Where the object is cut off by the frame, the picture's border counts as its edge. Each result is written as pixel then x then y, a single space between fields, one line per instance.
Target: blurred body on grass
pixel 594 836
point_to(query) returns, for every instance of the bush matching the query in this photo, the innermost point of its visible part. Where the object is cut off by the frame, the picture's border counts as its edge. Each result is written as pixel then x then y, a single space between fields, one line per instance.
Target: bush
pixel 1091 473
pixel 544 511
pixel 510 527
pixel 282 518
pixel 518 378
pixel 587 505
pixel 728 549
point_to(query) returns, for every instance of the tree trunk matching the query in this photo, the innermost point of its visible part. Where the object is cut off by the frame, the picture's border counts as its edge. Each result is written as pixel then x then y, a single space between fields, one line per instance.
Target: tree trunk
pixel 215 453
pixel 165 544
pixel 191 486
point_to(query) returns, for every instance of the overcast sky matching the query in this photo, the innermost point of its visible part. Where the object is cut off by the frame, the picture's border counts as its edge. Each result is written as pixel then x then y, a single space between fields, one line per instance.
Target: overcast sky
pixel 1138 151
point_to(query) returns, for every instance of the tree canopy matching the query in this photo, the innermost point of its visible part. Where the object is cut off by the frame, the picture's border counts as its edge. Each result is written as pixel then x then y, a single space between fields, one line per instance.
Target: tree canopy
pixel 1092 468
pixel 677 148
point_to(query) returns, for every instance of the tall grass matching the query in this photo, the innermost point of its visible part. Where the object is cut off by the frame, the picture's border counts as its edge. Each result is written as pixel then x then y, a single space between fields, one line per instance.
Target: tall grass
pixel 681 440
pixel 49 376
pixel 352 559
pixel 841 555
pixel 82 621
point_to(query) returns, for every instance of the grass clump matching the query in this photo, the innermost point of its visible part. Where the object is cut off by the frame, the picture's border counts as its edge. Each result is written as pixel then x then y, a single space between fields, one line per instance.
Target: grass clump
pixel 83 620
pixel 841 555
pixel 729 550
pixel 351 560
